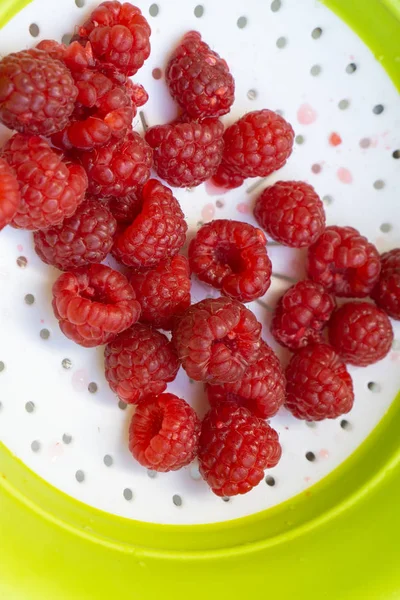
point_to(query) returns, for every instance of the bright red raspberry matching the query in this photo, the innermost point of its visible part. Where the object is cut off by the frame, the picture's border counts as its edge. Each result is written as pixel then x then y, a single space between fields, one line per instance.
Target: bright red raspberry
pixel 360 333
pixel 139 363
pixel 51 189
pixel 164 433
pixel 216 340
pixel 37 93
pixel 119 35
pixel 157 233
pixel 232 257
pixel 118 168
pixel 125 209
pixel 301 314
pixel 261 389
pixel 137 93
pixel 387 291
pixel 235 449
pixel 84 238
pixel 186 154
pixel 94 304
pixel 75 56
pixel 163 292
pixel 199 79
pixel 318 384
pixel 255 146
pixel 291 213
pixel 10 197
pixel 344 262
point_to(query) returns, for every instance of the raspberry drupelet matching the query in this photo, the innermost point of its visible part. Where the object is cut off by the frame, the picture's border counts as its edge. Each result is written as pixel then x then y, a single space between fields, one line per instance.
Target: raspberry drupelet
pixel 10 197
pixel 232 257
pixel 124 209
pixel 386 293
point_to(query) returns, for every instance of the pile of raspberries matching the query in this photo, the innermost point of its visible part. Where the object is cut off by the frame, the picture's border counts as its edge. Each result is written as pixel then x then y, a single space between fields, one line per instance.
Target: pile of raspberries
pixel 77 175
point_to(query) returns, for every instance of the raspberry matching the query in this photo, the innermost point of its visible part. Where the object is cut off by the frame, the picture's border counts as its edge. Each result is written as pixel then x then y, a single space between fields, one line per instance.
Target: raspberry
pixel 10 197
pixel 51 189
pixel 318 384
pixel 157 233
pixel 344 262
pixel 164 433
pixel 261 389
pixel 199 79
pixel 216 340
pixel 37 93
pixel 163 292
pixel 139 363
pixel 187 154
pixel 125 209
pixel 360 333
pixel 255 146
pixel 231 256
pixel 235 449
pixel 301 314
pixel 84 238
pixel 119 35
pixel 387 291
pixel 291 213
pixel 75 56
pixel 94 304
pixel 118 168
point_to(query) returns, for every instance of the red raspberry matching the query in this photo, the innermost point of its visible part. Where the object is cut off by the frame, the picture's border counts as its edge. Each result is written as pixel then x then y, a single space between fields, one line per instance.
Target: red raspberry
pixel 51 189
pixel 255 146
pixel 118 168
pixel 231 256
pixel 10 197
pixel 94 304
pixel 139 363
pixel 216 340
pixel 119 35
pixel 164 433
pixel 157 233
pixel 199 79
pixel 75 56
pixel 301 314
pixel 163 292
pixel 136 92
pixel 37 93
pixel 235 449
pixel 187 154
pixel 360 333
pixel 344 262
pixel 125 209
pixel 387 291
pixel 86 237
pixel 261 389
pixel 318 384
pixel 291 213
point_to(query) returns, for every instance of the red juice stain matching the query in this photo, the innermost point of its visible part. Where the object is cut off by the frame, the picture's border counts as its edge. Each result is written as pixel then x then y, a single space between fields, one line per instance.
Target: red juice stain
pixel 335 139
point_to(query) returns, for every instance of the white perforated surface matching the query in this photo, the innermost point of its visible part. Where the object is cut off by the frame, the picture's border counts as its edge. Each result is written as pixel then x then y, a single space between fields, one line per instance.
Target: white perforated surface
pixel 56 411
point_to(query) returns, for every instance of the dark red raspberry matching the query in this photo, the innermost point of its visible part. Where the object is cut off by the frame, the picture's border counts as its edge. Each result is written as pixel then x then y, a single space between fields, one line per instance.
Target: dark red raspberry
pixel 139 363
pixel 84 238
pixel 235 449
pixel 37 93
pixel 163 292
pixel 119 35
pixel 118 168
pixel 94 304
pixel 164 433
pixel 344 262
pixel 187 154
pixel 125 209
pixel 255 146
pixel 232 257
pixel 10 197
pixel 261 389
pixel 318 384
pixel 199 79
pixel 137 93
pixel 360 333
pixel 51 189
pixel 387 291
pixel 216 340
pixel 157 233
pixel 291 213
pixel 301 314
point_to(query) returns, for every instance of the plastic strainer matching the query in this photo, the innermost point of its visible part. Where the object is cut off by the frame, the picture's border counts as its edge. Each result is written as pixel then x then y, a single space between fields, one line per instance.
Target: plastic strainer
pixel 78 517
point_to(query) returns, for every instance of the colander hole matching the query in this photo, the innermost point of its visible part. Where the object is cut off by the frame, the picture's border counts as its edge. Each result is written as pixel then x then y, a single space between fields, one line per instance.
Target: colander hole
pixel 396 154
pixel 378 109
pixel 252 94
pixel 2 366
pixel 343 104
pixel 44 334
pixel 270 481
pixel 351 68
pixel 122 405
pixel 29 299
pixel 226 499
pixel 22 261
pixel 128 494
pixel 276 5
pixel 151 474
pixel 316 168
pixel 66 38
pixel 311 424
pixel 379 184
pixel 108 460
pixel 219 203
pixel 177 500
pixel 199 11
pixel 156 73
pixel 365 143
pixel 67 438
pixel 93 387
pixel 327 200
pixel 281 42
pixel 315 70
pixel 310 456
pixel 80 3
pixel 344 424
pixel 34 29
pixel 35 446
pixel 29 407
pixel 154 10
pixel 66 363
pixel 299 139
pixel 316 33
pixel 386 227
pixel 80 476
pixel 241 22
pixel 374 387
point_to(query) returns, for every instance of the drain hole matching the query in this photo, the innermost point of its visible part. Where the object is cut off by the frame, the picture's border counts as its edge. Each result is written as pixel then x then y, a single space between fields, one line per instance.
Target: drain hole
pixel 310 456
pixel 177 500
pixel 374 387
pixel 270 481
pixel 34 30
pixel 316 33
